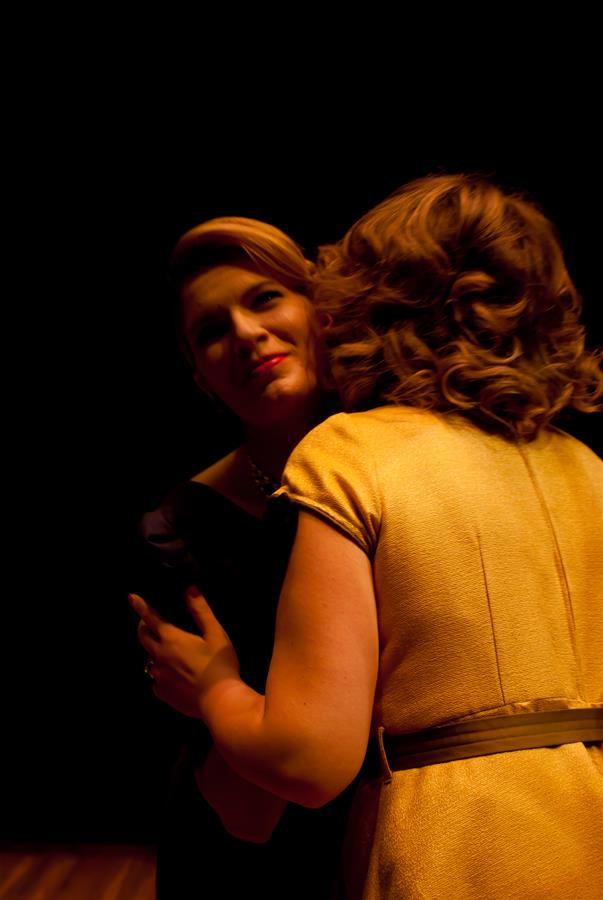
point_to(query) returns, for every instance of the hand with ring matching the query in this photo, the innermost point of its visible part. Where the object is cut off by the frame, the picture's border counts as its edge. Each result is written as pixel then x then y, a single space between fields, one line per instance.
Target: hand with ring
pixel 185 668
pixel 148 667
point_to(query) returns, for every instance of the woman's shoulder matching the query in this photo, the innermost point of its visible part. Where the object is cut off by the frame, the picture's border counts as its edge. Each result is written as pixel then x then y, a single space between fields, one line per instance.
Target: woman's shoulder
pixel 230 477
pixel 368 427
pixel 202 504
pixel 164 522
pixel 185 499
pixel 219 472
pixel 569 453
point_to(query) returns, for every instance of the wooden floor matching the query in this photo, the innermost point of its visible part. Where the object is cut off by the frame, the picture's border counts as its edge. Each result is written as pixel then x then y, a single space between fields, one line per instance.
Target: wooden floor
pixel 77 872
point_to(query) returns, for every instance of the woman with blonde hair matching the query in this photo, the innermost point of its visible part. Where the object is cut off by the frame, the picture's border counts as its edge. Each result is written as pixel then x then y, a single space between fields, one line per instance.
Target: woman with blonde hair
pixel 251 335
pixel 442 607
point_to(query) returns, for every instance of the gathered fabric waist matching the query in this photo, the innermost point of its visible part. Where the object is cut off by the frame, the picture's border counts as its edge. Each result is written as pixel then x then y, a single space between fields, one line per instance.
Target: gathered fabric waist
pixel 389 753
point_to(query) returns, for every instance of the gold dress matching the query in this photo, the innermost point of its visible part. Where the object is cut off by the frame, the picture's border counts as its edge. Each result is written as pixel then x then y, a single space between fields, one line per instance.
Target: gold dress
pixel 488 569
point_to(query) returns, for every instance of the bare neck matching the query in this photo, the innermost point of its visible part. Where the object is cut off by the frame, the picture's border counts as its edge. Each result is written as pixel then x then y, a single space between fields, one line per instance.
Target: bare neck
pixel 270 449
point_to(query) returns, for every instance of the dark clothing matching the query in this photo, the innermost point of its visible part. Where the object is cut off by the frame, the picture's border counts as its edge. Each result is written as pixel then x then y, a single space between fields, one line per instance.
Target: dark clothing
pixel 238 562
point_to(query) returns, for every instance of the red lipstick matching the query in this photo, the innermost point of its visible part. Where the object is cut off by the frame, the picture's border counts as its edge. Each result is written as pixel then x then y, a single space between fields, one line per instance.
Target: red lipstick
pixel 268 363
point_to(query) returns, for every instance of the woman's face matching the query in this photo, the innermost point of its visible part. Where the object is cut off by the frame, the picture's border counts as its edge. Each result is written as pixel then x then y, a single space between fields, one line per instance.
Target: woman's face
pixel 254 342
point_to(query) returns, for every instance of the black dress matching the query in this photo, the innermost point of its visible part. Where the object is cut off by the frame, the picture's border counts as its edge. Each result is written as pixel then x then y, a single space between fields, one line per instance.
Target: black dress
pixel 238 562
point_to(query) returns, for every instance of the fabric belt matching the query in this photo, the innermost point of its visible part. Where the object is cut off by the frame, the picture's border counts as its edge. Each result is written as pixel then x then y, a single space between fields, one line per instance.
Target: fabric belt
pixel 389 753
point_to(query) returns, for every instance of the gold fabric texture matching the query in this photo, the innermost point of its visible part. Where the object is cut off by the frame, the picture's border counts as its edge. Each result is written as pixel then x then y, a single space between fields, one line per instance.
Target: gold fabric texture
pixel 488 563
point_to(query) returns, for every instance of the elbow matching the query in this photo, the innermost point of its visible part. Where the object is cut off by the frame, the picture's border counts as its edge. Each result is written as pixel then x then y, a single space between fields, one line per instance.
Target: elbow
pixel 321 788
pixel 314 799
pixel 313 796
pixel 319 773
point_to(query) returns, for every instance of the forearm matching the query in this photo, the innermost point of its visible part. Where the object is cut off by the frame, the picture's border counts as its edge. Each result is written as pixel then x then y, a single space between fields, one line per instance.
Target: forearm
pixel 305 740
pixel 247 811
pixel 265 749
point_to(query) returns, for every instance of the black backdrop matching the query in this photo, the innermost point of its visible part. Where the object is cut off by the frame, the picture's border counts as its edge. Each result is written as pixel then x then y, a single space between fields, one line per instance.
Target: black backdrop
pixel 118 420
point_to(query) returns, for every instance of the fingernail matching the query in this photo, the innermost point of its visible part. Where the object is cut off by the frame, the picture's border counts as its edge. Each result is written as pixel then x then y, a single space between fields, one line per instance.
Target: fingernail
pixel 192 591
pixel 134 599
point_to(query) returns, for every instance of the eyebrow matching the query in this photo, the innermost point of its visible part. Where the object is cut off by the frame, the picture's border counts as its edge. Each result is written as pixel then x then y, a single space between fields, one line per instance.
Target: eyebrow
pixel 213 314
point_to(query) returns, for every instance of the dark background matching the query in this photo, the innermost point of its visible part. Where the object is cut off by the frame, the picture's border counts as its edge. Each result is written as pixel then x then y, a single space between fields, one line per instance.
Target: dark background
pixel 117 421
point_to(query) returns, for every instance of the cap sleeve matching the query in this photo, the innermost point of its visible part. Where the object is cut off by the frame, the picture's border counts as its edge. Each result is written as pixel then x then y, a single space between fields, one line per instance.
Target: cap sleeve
pixel 332 473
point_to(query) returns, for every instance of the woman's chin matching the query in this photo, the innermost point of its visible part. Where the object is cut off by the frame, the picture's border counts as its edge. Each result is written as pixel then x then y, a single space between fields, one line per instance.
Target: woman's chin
pixel 279 403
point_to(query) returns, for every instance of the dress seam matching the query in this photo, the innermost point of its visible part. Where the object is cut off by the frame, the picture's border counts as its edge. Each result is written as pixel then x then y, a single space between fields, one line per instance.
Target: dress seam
pixel 487 590
pixel 561 573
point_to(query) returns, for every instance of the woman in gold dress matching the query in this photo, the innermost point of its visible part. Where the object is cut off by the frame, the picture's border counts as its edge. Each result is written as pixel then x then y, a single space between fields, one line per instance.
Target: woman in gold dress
pixel 443 603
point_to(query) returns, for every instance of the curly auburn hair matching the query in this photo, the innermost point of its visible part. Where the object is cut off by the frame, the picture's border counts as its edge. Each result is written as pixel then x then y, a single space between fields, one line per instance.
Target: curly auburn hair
pixel 451 295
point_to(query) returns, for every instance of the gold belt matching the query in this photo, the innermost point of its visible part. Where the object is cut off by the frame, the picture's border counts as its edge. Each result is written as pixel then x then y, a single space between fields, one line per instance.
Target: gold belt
pixel 389 753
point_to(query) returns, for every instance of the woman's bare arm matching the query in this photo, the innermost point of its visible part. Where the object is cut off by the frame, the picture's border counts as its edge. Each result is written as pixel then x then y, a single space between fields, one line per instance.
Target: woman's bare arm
pixel 305 739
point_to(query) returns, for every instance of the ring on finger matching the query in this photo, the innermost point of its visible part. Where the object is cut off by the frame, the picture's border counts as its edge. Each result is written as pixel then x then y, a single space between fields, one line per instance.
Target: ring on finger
pixel 148 668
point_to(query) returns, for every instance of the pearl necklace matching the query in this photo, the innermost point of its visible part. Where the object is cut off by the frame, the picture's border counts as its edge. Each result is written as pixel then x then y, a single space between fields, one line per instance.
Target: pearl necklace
pixel 266 484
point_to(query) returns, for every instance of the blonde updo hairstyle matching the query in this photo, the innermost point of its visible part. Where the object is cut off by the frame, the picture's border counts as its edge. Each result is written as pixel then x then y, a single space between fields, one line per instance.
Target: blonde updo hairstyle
pixel 454 296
